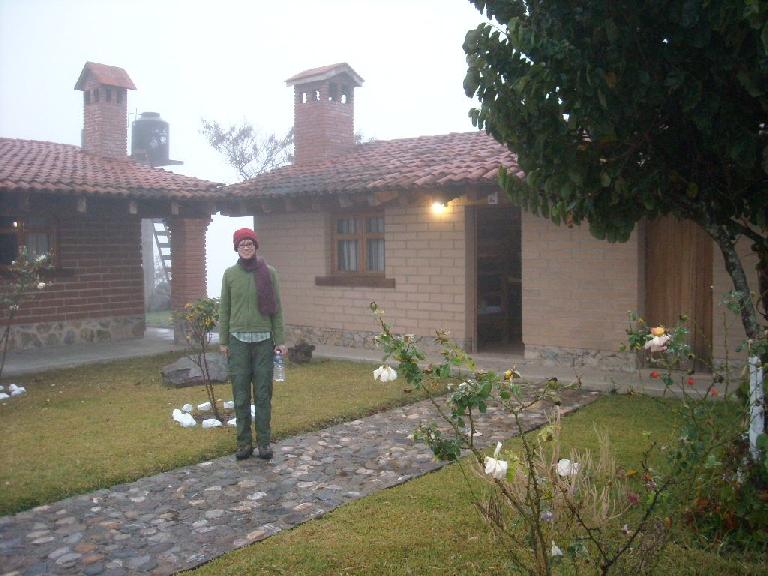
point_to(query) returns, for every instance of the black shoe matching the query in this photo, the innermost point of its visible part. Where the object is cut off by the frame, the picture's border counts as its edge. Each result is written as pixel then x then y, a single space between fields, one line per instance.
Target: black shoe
pixel 243 453
pixel 265 453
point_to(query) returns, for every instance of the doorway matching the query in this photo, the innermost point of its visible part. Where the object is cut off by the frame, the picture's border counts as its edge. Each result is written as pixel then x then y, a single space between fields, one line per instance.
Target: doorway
pixel 499 279
pixel 678 277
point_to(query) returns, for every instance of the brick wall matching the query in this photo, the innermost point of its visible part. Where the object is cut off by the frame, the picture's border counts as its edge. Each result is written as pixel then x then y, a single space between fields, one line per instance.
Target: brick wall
pixel 577 290
pixel 424 255
pixel 188 271
pixel 106 121
pixel 99 277
pixel 322 128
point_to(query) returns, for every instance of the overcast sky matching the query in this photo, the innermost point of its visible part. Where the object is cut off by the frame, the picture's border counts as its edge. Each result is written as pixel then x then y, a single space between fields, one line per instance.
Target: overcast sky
pixel 227 60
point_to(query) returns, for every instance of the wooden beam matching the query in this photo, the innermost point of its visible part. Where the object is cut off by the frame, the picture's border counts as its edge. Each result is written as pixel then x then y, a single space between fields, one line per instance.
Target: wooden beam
pixel 174 208
pixel 382 197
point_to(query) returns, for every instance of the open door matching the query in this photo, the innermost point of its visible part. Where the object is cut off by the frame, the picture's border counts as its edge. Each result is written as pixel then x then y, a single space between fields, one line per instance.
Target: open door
pixel 499 279
pixel 678 276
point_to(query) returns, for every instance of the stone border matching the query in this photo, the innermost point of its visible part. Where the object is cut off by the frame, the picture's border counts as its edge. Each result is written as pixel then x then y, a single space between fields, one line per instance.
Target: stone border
pixel 582 358
pixel 347 338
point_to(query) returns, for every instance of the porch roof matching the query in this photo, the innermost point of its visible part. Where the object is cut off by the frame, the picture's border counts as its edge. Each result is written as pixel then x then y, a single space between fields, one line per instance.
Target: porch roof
pixel 446 161
pixel 48 167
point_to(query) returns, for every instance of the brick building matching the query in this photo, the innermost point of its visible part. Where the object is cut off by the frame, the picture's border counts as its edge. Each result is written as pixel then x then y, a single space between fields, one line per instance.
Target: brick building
pixel 86 205
pixel 350 222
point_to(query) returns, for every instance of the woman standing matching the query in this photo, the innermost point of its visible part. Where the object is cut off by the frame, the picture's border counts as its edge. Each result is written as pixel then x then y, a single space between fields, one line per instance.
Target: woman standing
pixel 250 330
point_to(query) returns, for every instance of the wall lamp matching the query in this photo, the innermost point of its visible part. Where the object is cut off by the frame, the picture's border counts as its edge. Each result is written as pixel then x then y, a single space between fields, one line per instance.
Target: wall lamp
pixel 439 205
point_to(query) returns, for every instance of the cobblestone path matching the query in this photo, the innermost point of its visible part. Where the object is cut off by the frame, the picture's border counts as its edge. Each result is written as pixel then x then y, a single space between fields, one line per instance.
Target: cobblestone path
pixel 183 518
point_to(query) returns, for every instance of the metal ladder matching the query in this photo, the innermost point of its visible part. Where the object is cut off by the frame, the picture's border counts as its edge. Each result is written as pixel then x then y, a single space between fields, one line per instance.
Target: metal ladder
pixel 163 241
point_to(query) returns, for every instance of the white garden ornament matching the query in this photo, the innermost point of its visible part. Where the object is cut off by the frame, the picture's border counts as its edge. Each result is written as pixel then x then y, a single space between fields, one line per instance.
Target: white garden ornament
pixel 183 418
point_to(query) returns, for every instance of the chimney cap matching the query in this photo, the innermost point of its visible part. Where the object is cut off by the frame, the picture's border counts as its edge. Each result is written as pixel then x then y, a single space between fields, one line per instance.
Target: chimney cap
pixel 323 73
pixel 106 75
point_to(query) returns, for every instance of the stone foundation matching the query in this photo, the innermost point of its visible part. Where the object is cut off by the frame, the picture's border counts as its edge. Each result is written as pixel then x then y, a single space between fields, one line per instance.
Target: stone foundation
pixel 581 358
pixel 64 333
pixel 346 338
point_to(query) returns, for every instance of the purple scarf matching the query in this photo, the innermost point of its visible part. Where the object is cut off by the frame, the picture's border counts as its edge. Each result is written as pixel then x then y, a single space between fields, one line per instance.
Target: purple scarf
pixel 264 289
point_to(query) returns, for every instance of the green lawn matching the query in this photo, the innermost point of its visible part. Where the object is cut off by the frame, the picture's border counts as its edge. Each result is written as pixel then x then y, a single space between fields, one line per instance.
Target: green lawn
pixel 90 427
pixel 85 428
pixel 429 525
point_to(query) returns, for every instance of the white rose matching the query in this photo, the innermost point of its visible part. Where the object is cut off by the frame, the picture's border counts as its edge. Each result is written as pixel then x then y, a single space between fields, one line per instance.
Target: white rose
pixel 657 343
pixel 385 373
pixel 496 468
pixel 555 550
pixel 567 468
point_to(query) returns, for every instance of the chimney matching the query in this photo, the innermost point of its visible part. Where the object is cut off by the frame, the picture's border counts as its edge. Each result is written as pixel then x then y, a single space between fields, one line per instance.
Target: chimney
pixel 105 109
pixel 323 112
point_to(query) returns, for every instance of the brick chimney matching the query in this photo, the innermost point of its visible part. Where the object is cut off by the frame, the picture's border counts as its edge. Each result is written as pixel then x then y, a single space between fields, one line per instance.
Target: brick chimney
pixel 323 112
pixel 105 109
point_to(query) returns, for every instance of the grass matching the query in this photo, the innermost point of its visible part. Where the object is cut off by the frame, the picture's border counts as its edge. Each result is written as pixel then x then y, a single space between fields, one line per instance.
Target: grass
pixel 159 319
pixel 429 525
pixel 90 427
pixel 81 429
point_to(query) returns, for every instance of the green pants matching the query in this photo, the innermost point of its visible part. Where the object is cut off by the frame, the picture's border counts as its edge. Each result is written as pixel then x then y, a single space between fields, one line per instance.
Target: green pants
pixel 250 369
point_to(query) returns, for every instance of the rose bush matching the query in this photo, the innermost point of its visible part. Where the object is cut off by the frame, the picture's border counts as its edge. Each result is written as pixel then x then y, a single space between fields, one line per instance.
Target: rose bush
pixel 559 513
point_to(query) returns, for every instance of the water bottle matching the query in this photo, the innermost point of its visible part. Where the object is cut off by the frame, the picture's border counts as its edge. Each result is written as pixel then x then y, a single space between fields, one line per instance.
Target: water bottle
pixel 278 368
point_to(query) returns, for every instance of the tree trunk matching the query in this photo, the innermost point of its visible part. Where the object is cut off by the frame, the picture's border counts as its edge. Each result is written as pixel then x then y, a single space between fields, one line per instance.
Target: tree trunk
pixel 727 244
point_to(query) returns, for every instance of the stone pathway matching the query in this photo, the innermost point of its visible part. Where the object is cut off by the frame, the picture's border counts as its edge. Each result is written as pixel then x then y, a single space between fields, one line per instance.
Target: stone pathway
pixel 180 519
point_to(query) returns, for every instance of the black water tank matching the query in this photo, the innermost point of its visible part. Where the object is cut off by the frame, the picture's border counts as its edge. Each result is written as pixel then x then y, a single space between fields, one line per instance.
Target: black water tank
pixel 149 139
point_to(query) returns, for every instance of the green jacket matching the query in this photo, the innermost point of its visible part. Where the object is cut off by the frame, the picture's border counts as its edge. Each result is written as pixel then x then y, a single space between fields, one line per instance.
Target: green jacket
pixel 239 310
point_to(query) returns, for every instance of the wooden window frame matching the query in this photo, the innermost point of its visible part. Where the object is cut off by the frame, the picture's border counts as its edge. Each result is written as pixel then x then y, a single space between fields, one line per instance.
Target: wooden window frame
pixel 22 229
pixel 361 277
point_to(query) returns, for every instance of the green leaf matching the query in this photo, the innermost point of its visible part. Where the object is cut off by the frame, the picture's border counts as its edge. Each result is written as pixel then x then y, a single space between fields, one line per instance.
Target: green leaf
pixel 764 38
pixel 575 175
pixel 601 98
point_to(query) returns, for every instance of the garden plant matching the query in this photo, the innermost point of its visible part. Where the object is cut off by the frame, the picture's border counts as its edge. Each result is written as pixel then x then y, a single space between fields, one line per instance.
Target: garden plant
pixel 724 500
pixel 568 513
pixel 199 319
pixel 26 279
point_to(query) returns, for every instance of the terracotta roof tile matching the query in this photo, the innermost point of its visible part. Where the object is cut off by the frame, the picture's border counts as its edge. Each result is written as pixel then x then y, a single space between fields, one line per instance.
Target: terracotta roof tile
pixel 323 73
pixel 426 162
pixel 30 165
pixel 107 75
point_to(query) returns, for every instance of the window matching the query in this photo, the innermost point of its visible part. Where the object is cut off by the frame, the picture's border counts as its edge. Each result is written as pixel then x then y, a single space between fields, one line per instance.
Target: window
pixel 358 241
pixel 34 233
pixel 358 254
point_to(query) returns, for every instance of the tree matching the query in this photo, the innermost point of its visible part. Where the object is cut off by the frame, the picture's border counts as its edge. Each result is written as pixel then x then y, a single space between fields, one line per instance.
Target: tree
pixel 246 150
pixel 620 110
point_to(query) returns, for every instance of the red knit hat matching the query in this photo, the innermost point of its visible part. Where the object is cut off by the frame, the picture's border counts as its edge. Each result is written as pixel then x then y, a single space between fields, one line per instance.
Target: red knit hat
pixel 244 234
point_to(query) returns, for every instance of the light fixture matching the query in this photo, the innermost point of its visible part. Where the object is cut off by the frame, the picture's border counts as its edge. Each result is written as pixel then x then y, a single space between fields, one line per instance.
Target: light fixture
pixel 439 205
